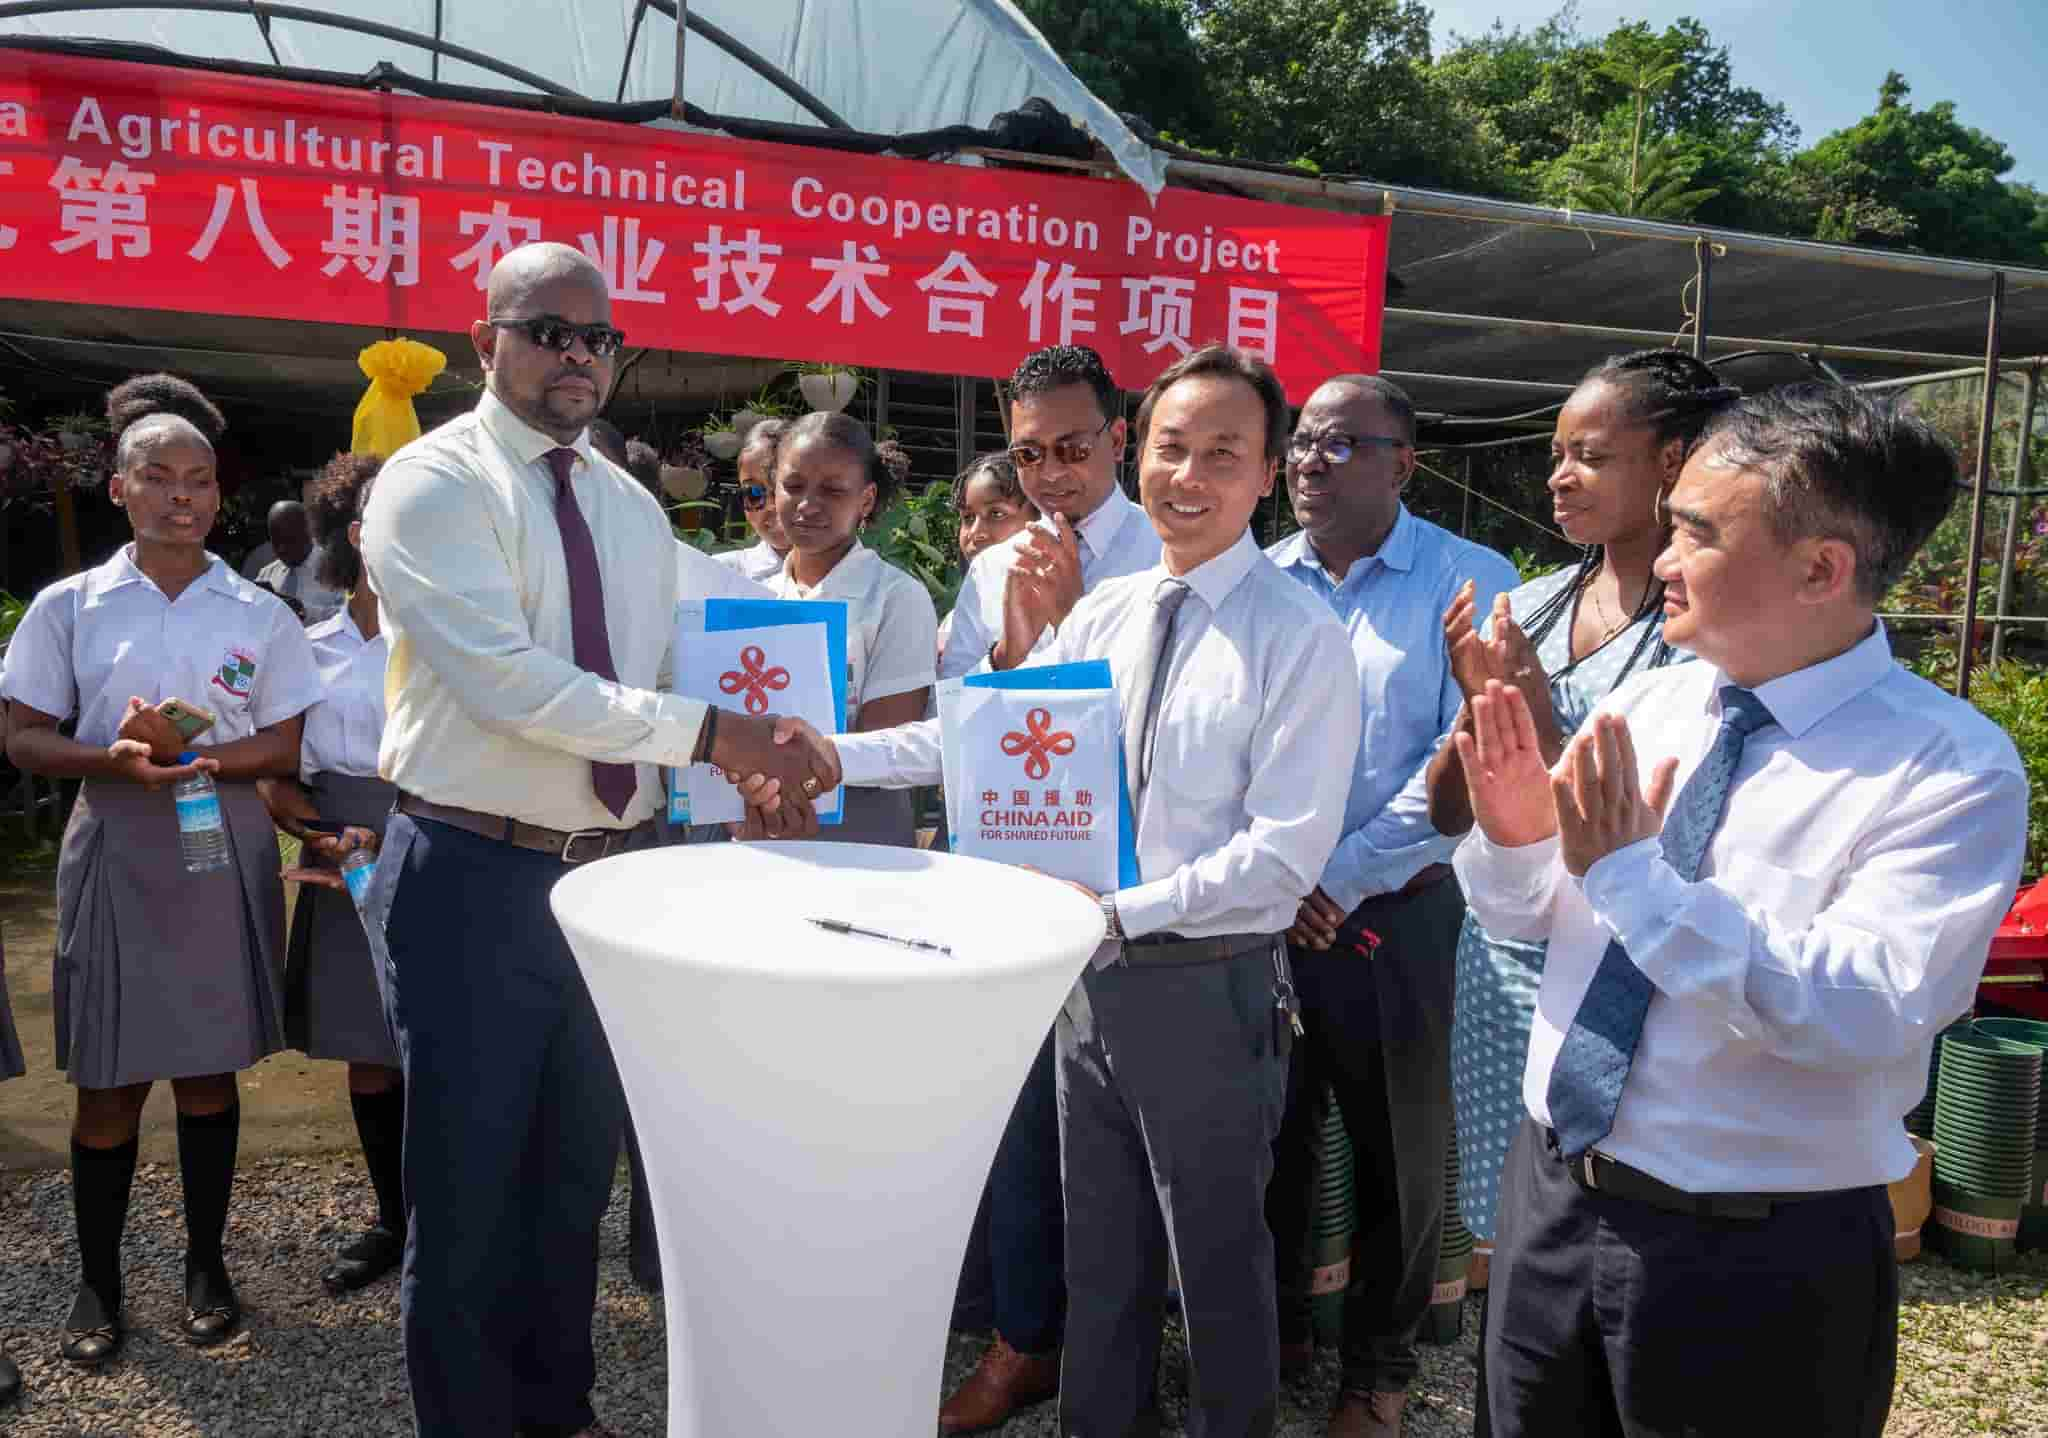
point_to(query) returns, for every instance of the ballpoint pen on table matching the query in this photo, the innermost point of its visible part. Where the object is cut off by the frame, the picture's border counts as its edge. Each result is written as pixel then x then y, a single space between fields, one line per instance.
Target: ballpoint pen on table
pixel 840 926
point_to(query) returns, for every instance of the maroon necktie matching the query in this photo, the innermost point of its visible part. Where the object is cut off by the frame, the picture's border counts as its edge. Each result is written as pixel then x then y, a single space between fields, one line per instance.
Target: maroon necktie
pixel 614 782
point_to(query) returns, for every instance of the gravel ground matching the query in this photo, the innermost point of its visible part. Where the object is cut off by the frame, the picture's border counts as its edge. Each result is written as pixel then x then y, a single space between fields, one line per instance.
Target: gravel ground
pixel 1973 1359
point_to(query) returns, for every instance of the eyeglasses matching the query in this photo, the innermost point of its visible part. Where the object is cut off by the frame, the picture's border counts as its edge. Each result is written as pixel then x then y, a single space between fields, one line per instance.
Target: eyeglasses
pixel 1337 448
pixel 754 496
pixel 560 336
pixel 1065 450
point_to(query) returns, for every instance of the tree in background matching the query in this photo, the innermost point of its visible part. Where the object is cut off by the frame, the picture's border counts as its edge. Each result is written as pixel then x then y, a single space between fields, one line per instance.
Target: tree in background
pixel 1137 55
pixel 1941 175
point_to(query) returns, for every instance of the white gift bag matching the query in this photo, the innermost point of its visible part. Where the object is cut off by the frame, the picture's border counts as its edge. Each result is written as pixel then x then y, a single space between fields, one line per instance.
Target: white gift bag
pixel 1033 779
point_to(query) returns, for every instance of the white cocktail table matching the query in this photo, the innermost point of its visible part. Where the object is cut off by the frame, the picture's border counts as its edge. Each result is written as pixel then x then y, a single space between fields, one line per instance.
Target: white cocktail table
pixel 818 1112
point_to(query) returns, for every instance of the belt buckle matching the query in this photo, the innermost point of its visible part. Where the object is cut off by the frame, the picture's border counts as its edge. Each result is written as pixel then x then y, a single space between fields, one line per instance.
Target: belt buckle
pixel 569 845
pixel 1586 1170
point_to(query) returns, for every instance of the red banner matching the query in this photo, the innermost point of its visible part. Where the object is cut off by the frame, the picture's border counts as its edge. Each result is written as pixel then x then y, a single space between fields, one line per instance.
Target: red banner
pixel 150 186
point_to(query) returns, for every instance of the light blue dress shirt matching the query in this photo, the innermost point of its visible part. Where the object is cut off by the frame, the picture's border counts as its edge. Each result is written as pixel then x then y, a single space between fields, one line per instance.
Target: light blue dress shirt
pixel 1392 604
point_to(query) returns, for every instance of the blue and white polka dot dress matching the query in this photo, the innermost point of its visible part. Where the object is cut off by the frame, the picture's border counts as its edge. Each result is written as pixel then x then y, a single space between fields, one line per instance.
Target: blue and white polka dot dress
pixel 1497 978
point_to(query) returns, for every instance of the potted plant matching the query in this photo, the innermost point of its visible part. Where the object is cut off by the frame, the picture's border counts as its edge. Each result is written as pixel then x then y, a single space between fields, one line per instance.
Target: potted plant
pixel 762 406
pixel 828 386
pixel 721 437
pixel 685 472
pixel 81 430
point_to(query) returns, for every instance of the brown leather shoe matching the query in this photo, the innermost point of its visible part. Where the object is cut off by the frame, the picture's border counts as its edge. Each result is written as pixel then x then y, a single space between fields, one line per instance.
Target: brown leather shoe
pixel 1368 1415
pixel 1005 1381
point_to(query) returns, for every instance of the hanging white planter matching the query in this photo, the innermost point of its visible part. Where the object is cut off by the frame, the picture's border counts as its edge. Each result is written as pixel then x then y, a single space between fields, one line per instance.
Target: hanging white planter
pixel 681 481
pixel 73 439
pixel 745 420
pixel 834 391
pixel 723 443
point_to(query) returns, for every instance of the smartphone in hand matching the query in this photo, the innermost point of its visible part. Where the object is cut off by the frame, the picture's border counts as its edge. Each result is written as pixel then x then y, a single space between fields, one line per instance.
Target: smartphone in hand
pixel 188 719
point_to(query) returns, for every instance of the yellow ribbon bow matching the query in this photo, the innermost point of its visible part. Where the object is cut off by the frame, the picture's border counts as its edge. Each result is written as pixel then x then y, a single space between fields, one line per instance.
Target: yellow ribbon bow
pixel 397 370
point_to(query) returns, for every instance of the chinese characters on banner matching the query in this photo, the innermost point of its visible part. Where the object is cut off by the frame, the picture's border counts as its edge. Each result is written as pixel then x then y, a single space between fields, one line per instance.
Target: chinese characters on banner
pixel 178 189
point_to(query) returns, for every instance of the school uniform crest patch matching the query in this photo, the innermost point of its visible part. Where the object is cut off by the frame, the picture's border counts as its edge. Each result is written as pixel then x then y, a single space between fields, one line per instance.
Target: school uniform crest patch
pixel 237 673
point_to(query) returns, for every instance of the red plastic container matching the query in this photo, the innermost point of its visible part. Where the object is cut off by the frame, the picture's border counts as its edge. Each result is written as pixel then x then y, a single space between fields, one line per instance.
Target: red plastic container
pixel 2016 973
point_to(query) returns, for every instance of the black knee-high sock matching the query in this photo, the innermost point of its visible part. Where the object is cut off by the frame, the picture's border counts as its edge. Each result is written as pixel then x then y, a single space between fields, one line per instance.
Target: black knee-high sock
pixel 380 1123
pixel 100 1180
pixel 206 1159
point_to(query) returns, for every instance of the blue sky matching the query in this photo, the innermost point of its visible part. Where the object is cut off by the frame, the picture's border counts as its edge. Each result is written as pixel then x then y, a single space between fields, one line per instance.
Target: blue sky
pixel 1824 59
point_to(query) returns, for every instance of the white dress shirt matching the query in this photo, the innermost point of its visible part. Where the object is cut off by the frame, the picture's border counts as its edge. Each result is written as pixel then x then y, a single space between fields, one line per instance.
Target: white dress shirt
pixel 90 642
pixel 303 584
pixel 1261 710
pixel 891 627
pixel 706 576
pixel 485 706
pixel 1869 848
pixel 344 730
pixel 1117 539
pixel 759 562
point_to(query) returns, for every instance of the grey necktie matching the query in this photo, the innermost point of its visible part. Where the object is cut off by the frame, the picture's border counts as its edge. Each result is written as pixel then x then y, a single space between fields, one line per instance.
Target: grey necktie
pixel 1148 686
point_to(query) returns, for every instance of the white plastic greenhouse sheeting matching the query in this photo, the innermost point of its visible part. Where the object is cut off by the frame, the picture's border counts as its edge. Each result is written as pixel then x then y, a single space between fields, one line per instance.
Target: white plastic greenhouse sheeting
pixel 887 66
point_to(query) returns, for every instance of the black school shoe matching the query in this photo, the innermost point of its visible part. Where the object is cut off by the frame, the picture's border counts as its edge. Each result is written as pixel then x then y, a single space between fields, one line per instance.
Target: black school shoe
pixel 212 1312
pixel 93 1333
pixel 10 1380
pixel 365 1261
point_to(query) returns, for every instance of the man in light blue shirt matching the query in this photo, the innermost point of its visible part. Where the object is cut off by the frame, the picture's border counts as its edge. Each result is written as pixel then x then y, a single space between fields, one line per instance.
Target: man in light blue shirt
pixel 1372 947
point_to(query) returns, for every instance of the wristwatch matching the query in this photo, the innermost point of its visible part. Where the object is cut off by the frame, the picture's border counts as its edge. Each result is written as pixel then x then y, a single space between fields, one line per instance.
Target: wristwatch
pixel 1112 927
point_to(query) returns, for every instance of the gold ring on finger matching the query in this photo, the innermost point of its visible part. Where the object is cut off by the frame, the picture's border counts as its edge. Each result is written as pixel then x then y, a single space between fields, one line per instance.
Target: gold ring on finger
pixel 810 787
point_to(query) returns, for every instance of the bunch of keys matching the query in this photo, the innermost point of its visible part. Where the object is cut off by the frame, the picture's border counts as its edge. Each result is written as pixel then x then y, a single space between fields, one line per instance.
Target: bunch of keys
pixel 1286 1003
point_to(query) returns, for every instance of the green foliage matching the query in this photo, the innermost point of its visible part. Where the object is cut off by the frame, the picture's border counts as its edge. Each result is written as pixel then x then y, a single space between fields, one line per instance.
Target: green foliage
pixel 1531 565
pixel 920 534
pixel 2014 696
pixel 1656 183
pixel 1940 175
pixel 1137 55
pixel 11 610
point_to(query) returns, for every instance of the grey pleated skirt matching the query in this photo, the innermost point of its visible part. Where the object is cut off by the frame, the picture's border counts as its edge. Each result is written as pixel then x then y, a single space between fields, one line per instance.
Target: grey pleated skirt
pixel 333 1008
pixel 875 816
pixel 12 1065
pixel 162 974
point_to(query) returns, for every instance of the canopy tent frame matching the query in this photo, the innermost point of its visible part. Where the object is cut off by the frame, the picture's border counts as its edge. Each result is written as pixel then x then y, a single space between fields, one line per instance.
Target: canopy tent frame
pixel 1707 244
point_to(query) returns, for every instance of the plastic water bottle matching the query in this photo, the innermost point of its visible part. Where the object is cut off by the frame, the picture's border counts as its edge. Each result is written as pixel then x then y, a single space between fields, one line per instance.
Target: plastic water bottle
pixel 357 865
pixel 201 833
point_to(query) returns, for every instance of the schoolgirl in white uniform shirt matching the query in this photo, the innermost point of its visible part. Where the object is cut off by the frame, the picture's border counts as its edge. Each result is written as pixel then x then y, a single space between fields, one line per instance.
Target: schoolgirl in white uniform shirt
pixel 831 479
pixel 333 1003
pixel 160 973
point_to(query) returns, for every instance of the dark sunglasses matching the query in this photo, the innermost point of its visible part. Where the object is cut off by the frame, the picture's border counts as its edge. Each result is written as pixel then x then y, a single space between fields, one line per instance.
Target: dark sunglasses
pixel 754 496
pixel 1337 448
pixel 560 336
pixel 1065 450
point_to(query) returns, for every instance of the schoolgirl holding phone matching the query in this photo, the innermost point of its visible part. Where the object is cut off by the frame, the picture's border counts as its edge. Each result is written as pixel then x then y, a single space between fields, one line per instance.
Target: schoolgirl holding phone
pixel 160 973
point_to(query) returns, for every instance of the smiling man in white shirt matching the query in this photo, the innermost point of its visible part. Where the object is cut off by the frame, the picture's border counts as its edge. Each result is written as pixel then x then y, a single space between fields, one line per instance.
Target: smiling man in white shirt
pixel 1240 701
pixel 1767 881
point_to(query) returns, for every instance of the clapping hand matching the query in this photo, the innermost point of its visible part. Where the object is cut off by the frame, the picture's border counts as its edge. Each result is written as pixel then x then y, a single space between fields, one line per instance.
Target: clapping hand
pixel 1600 804
pixel 1506 654
pixel 1041 589
pixel 1504 772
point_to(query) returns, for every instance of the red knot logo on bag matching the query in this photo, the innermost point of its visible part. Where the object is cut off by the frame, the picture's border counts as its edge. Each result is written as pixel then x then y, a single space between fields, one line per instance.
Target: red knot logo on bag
pixel 1039 745
pixel 237 673
pixel 753 679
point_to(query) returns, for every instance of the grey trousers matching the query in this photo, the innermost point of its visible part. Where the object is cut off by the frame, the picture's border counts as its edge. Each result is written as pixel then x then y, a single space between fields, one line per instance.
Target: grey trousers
pixel 1172 1081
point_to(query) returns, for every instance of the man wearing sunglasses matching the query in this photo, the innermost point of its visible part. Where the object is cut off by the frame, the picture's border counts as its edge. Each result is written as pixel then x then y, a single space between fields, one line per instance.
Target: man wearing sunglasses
pixel 1066 438
pixel 1373 944
pixel 528 588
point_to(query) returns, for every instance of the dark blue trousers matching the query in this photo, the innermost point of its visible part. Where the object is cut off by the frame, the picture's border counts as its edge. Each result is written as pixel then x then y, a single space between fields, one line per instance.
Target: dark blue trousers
pixel 512 1116
pixel 1027 1217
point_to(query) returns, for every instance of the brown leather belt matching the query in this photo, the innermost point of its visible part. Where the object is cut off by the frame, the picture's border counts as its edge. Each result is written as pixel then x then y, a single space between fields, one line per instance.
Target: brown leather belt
pixel 1597 1173
pixel 577 846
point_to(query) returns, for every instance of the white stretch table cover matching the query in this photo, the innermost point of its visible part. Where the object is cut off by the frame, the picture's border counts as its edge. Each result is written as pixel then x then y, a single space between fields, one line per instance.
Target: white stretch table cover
pixel 818 1112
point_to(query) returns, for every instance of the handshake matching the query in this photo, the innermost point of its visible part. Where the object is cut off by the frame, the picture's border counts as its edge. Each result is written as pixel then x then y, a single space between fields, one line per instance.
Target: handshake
pixel 779 764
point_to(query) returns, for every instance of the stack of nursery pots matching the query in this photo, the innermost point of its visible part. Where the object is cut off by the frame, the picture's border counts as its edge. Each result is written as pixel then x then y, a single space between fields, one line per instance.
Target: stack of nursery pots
pixel 1920 1122
pixel 1986 1110
pixel 2034 1212
pixel 1445 1321
pixel 1336 1193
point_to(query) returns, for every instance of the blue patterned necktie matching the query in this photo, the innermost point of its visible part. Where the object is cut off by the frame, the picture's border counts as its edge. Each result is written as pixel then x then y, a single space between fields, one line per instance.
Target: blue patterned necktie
pixel 1593 1062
